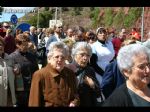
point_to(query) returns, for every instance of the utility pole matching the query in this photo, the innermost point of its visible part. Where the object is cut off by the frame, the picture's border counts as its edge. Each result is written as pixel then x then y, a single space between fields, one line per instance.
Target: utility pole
pixel 60 13
pixel 56 15
pixel 142 26
pixel 38 18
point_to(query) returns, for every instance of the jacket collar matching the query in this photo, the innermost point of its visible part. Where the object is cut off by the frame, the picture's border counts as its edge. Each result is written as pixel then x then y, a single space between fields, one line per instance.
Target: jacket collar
pixel 52 71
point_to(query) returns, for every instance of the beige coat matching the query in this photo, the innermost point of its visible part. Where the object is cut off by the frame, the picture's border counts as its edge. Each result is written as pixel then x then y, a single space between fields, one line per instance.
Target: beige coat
pixel 7 78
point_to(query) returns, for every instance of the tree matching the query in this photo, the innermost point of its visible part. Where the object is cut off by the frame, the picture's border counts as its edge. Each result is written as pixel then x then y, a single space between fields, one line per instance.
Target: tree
pixel 119 18
pixel 44 17
pixel 108 17
pixel 95 16
pixel 76 11
pixel 33 20
pixel 46 9
pixel 133 15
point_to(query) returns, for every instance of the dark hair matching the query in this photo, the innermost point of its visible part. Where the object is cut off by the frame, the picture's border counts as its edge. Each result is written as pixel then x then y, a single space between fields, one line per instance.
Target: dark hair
pixel 91 36
pixel 21 38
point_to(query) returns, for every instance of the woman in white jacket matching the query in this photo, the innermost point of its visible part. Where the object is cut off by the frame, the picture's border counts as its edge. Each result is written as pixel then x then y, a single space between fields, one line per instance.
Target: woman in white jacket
pixel 103 52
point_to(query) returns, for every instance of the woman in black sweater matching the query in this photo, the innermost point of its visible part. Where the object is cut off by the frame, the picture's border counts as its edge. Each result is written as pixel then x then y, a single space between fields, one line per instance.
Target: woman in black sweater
pixel 134 62
pixel 88 86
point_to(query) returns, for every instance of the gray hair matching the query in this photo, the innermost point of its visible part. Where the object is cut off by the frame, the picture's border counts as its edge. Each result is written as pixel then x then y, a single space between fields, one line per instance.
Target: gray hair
pixel 79 46
pixel 58 45
pixel 127 53
pixel 32 27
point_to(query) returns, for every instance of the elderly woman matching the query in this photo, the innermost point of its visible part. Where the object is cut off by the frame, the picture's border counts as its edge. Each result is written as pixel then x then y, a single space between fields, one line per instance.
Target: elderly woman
pixel 7 77
pixel 134 62
pixel 54 85
pixel 88 86
pixel 103 52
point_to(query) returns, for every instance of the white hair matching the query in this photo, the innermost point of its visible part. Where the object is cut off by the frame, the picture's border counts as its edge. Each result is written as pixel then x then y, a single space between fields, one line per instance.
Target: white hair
pixel 32 27
pixel 127 53
pixel 79 46
pixel 58 45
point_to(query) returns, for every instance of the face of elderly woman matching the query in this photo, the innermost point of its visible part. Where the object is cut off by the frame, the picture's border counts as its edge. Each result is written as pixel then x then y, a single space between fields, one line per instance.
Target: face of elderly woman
pixel 140 74
pixel 57 60
pixel 82 57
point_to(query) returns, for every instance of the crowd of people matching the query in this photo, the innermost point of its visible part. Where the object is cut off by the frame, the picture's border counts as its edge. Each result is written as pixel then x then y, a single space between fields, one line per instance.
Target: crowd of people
pixel 51 67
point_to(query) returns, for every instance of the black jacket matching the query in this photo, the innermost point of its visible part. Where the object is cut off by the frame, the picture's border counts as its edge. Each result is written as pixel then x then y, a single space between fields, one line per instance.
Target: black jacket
pixel 88 96
pixel 119 98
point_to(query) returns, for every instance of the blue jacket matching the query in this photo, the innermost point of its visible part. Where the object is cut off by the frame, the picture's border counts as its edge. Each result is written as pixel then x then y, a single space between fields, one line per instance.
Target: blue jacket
pixel 49 41
pixel 34 39
pixel 112 79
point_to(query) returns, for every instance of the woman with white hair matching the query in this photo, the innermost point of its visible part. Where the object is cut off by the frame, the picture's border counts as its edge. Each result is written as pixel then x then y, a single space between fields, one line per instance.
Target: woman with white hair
pixel 134 62
pixel 54 85
pixel 88 86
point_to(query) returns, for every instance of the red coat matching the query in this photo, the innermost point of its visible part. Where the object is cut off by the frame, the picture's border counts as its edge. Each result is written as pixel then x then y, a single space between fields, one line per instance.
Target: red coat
pixel 10 45
pixel 117 44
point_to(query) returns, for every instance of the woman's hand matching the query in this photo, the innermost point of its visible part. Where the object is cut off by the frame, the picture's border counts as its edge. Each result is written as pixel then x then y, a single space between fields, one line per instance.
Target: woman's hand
pixel 16 70
pixel 90 82
pixel 71 105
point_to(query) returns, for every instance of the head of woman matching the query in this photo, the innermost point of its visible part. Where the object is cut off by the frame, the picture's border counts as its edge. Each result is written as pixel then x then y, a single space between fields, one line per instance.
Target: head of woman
pixel 81 53
pixel 18 31
pixel 22 42
pixel 58 53
pixel 49 32
pixel 101 34
pixel 134 62
pixel 70 44
pixel 91 37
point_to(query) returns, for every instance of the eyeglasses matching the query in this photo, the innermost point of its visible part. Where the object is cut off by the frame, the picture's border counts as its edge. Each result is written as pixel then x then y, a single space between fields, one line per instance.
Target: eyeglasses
pixel 6 26
pixel 57 57
pixel 60 27
pixel 91 38
pixel 143 66
pixel 83 54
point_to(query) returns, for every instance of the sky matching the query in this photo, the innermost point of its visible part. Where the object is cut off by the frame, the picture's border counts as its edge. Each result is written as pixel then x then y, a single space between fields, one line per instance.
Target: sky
pixel 18 11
